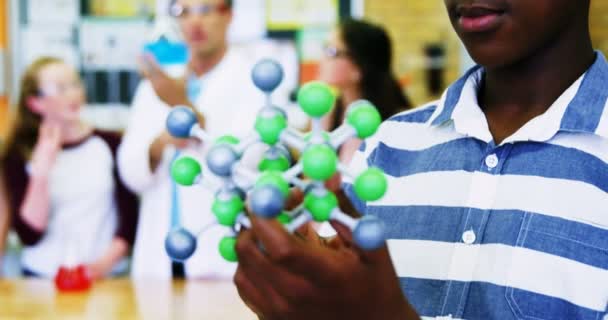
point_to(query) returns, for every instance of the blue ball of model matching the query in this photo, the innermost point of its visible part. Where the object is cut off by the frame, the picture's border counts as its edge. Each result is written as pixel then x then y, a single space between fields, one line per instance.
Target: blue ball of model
pixel 369 233
pixel 220 160
pixel 180 244
pixel 180 121
pixel 267 75
pixel 267 201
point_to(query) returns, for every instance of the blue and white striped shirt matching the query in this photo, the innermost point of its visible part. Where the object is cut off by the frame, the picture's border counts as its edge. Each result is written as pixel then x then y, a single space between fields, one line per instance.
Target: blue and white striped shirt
pixel 517 230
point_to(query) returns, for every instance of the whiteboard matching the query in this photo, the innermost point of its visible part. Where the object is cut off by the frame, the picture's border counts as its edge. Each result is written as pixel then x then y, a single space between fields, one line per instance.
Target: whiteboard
pixel 295 14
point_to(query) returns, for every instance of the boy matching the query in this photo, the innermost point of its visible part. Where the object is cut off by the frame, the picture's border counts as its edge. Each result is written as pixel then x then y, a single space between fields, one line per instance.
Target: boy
pixel 497 198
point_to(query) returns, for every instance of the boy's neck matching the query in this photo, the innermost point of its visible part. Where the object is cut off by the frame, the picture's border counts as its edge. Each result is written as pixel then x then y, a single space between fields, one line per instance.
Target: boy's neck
pixel 513 95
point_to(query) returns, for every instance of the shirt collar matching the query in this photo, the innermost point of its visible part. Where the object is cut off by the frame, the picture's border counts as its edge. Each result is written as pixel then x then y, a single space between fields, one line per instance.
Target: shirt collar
pixel 579 109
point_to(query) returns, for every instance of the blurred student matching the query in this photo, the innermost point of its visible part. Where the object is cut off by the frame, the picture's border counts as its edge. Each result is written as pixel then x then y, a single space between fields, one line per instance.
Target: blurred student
pixel 358 63
pixel 64 192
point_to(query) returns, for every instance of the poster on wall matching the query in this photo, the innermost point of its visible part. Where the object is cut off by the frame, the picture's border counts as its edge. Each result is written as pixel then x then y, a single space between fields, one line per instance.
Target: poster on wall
pixel 65 12
pixel 295 14
pixel 122 8
pixel 248 23
pixel 112 44
pixel 48 40
pixel 310 44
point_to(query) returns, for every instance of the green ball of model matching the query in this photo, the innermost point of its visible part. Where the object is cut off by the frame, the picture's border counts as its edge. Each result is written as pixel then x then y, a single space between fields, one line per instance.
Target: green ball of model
pixel 227 249
pixel 325 135
pixel 371 185
pixel 320 203
pixel 274 178
pixel 320 162
pixel 280 164
pixel 365 118
pixel 269 125
pixel 275 159
pixel 227 210
pixel 227 139
pixel 185 171
pixel 316 99
pixel 284 218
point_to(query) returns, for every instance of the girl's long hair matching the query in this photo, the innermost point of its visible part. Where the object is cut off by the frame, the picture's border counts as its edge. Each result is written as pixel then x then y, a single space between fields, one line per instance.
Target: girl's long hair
pixel 370 48
pixel 24 133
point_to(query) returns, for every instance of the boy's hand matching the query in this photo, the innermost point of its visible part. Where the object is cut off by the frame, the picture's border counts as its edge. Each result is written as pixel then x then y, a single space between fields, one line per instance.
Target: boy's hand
pixel 171 91
pixel 294 278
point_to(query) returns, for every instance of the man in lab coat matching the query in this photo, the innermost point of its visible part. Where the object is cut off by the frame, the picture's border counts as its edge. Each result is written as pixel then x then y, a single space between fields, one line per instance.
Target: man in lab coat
pixel 226 101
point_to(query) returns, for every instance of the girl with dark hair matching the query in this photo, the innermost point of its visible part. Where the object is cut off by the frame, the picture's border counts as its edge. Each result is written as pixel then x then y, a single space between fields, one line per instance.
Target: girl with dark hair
pixel 358 63
pixel 62 180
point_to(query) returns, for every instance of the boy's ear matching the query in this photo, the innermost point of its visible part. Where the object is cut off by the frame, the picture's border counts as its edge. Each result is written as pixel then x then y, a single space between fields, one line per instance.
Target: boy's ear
pixel 35 105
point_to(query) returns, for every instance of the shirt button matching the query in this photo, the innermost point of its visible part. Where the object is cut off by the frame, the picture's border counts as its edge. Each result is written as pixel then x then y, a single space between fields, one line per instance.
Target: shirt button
pixel 469 237
pixel 492 161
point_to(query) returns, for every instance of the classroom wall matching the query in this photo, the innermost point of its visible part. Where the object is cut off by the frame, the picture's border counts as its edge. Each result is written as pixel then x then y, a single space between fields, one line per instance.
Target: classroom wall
pixel 3 69
pixel 599 24
pixel 415 24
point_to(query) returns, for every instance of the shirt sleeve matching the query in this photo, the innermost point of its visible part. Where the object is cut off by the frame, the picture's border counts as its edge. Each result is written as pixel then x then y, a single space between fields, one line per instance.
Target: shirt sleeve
pixel 126 201
pixel 147 121
pixel 16 181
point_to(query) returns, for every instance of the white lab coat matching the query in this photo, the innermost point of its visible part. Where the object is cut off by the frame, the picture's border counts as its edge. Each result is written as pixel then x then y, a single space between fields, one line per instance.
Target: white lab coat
pixel 230 102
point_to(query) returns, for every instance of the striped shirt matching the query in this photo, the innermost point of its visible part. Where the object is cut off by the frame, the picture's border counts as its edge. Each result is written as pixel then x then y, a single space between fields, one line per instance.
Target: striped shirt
pixel 517 230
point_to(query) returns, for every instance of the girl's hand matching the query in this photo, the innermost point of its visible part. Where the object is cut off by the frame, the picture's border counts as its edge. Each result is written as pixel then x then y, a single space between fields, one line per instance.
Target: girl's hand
pixel 46 149
pixel 98 270
pixel 103 266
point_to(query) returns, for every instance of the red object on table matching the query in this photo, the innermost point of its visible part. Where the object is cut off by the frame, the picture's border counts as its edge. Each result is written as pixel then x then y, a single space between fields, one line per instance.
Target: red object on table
pixel 72 279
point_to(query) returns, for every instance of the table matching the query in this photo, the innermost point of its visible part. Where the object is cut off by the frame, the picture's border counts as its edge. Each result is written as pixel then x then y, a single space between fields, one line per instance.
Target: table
pixel 123 299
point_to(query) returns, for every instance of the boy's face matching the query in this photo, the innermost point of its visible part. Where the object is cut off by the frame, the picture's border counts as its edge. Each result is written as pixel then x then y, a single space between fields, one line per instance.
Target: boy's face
pixel 502 32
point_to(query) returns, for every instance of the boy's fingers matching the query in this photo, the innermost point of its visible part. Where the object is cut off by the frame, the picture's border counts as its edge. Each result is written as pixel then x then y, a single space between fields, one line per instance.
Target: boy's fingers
pixel 344 233
pixel 283 249
pixel 370 256
pixel 251 294
pixel 263 273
